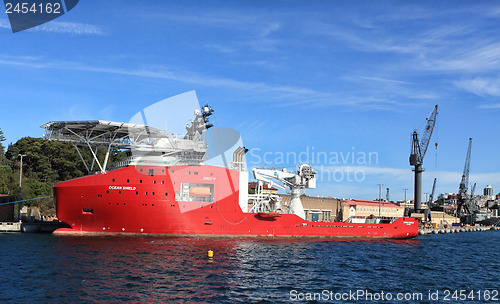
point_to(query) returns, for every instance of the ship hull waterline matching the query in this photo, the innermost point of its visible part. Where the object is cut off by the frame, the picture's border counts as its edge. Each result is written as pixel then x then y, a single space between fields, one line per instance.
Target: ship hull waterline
pixel 155 201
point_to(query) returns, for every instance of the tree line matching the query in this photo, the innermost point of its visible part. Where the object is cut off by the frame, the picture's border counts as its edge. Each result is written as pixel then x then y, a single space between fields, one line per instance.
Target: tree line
pixel 45 164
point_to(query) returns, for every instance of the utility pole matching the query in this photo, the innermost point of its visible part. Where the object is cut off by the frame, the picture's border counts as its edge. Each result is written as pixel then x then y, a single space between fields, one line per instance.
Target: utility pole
pixel 379 197
pixel 20 187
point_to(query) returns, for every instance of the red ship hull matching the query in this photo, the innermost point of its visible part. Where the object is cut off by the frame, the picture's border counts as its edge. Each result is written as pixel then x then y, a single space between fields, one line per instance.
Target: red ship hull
pixel 148 200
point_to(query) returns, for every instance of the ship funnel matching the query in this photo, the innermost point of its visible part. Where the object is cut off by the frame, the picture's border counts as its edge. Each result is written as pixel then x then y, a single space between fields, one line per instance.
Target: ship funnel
pixel 238 155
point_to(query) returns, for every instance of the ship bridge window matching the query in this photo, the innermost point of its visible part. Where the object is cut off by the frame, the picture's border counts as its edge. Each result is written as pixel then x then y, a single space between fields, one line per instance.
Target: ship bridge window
pixel 188 172
pixel 162 182
pixel 195 192
pixel 151 172
pixel 196 173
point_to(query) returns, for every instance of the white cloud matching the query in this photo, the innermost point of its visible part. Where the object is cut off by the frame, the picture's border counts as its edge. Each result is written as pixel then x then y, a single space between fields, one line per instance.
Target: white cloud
pixel 4 23
pixel 479 56
pixel 483 179
pixel 490 106
pixel 287 95
pixel 61 27
pixel 300 94
pixel 69 28
pixel 480 86
pixel 494 12
pixel 385 80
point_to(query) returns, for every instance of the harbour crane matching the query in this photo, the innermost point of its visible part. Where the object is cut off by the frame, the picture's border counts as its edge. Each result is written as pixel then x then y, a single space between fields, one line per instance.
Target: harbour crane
pixel 464 202
pixel 431 198
pixel 430 203
pixel 473 189
pixel 418 150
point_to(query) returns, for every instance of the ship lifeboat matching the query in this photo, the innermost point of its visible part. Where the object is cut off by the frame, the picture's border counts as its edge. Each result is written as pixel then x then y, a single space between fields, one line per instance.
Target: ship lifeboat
pixel 200 191
pixel 269 215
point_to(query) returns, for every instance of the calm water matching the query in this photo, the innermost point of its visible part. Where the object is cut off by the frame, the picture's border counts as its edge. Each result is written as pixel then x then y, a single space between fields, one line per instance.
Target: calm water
pixel 41 268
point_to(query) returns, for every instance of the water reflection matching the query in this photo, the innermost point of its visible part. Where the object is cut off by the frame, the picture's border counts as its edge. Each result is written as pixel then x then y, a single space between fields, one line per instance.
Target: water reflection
pixel 143 270
pixel 178 269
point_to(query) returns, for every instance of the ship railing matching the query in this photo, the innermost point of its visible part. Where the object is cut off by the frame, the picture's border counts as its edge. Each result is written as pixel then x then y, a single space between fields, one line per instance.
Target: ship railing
pixel 135 160
pixel 265 202
pixel 120 164
pixel 371 219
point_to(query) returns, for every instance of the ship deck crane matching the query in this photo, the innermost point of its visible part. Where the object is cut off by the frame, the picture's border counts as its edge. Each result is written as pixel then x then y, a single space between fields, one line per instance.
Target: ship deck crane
pixel 305 177
pixel 418 150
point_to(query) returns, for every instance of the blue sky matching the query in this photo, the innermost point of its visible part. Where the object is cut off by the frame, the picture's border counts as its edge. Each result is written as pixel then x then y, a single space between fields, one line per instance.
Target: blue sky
pixel 295 76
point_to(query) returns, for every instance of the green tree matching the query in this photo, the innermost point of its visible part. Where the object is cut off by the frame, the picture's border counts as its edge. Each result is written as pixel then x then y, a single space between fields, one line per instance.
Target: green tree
pixel 45 164
pixel 6 179
pixel 52 161
pixel 2 138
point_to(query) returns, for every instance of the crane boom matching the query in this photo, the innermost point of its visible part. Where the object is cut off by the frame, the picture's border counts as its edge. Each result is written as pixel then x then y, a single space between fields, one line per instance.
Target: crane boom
pixel 472 190
pixel 463 209
pixel 419 147
pixel 464 184
pixel 426 137
pixel 429 203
